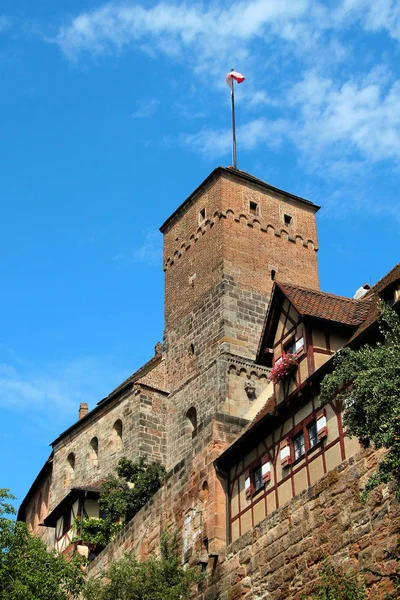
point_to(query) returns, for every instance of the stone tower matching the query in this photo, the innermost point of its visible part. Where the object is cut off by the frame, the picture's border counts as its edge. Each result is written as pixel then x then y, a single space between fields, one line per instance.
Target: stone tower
pixel 223 247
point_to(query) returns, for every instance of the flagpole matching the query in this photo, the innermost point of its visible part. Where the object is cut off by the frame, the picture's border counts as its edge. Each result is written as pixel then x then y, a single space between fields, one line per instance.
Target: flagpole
pixel 233 124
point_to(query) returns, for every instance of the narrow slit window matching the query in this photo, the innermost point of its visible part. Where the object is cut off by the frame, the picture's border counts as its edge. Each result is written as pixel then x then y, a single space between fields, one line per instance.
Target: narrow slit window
pixel 202 215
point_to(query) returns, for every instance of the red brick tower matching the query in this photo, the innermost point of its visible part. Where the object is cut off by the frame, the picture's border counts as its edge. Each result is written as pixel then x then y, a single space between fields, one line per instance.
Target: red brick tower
pixel 223 247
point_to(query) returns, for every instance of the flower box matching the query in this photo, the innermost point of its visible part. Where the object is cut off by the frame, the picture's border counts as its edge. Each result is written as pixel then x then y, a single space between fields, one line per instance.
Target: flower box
pixel 284 366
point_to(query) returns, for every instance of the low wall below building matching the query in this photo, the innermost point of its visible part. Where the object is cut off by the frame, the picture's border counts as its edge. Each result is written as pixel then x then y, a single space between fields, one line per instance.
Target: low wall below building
pixel 282 556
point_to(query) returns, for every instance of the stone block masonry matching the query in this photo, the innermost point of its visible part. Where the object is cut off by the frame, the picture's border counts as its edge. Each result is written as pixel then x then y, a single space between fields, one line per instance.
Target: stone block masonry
pixel 282 556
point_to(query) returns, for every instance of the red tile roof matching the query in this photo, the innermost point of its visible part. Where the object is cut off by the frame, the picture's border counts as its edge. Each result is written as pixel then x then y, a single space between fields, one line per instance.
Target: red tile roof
pixel 320 305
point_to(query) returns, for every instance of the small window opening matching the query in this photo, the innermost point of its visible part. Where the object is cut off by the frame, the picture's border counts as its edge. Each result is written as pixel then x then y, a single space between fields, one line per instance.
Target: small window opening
pixel 253 208
pixel 204 492
pixel 191 416
pixel 117 433
pixel 288 220
pixel 294 346
pixel 69 470
pixel 71 461
pixel 273 274
pixel 118 428
pixel 312 434
pixel 202 215
pixel 66 520
pixel 94 451
pixel 299 446
pixel 257 478
pixel 191 349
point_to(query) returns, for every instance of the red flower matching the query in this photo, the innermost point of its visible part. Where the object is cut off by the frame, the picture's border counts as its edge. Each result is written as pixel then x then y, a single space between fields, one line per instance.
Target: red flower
pixel 283 367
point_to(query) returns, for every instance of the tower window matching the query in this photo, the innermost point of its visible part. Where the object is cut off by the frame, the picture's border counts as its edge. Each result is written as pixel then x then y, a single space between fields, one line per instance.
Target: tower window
pixel 191 416
pixel 288 220
pixel 273 274
pixel 202 215
pixel 253 208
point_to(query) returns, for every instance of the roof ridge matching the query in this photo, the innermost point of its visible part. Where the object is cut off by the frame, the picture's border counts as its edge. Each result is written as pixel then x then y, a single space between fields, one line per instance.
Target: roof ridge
pixel 336 296
pixel 373 288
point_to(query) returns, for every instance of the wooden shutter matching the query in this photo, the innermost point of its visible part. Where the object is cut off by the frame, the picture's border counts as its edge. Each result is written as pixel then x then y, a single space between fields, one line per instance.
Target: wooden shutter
pixel 265 469
pixel 248 486
pixel 286 457
pixel 322 428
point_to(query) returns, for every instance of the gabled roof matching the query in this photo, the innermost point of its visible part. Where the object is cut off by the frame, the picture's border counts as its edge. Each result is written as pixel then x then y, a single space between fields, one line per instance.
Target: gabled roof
pixel 92 491
pixel 321 305
pixel 373 295
pixel 43 473
pixel 146 368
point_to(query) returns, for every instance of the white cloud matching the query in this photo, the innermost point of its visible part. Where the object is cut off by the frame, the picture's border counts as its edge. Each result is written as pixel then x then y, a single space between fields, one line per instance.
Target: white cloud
pixel 169 28
pixel 374 15
pixel 149 253
pixel 54 388
pixel 349 122
pixel 358 115
pixel 145 109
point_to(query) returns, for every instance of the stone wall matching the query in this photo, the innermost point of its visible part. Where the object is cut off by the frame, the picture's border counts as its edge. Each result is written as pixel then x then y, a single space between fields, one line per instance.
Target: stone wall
pixel 282 556
pixel 132 425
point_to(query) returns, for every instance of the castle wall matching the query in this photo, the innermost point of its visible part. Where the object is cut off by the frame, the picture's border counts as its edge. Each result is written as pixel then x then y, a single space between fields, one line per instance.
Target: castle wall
pixel 132 425
pixel 281 557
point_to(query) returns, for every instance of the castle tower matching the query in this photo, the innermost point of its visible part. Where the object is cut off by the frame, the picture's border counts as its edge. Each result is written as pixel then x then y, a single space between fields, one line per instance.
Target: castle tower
pixel 223 247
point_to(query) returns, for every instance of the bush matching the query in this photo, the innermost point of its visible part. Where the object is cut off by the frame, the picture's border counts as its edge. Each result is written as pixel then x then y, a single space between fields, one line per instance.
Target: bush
pixel 162 578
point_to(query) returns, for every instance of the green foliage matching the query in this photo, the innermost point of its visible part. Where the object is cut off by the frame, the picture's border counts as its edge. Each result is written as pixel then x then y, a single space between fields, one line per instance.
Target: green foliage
pixel 122 496
pixel 161 578
pixel 338 585
pixel 95 533
pixel 368 382
pixel 27 570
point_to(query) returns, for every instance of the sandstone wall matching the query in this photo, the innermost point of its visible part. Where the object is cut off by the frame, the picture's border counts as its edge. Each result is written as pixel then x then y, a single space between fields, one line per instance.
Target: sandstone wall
pixel 282 556
pixel 132 425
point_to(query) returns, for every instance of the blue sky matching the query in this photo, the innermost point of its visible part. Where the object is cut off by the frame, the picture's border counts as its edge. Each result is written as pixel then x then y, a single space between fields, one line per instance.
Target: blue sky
pixel 111 114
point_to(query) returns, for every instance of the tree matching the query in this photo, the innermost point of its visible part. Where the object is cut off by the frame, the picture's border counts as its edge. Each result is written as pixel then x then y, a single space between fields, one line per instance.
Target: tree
pixel 27 570
pixel 367 380
pixel 336 584
pixel 136 482
pixel 121 497
pixel 161 578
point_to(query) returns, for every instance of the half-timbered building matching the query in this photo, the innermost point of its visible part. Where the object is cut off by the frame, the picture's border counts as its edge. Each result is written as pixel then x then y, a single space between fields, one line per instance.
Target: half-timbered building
pixel 293 441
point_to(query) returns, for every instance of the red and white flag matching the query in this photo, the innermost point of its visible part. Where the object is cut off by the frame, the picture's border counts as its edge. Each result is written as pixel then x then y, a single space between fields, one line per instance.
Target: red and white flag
pixel 234 75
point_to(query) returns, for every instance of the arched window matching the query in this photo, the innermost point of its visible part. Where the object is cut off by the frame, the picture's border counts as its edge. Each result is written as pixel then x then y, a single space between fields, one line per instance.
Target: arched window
pixel 69 469
pixel 117 433
pixel 71 461
pixel 94 451
pixel 191 417
pixel 204 492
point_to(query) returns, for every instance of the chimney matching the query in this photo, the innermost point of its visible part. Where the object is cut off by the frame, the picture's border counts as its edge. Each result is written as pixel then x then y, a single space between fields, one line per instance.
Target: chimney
pixel 360 293
pixel 83 410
